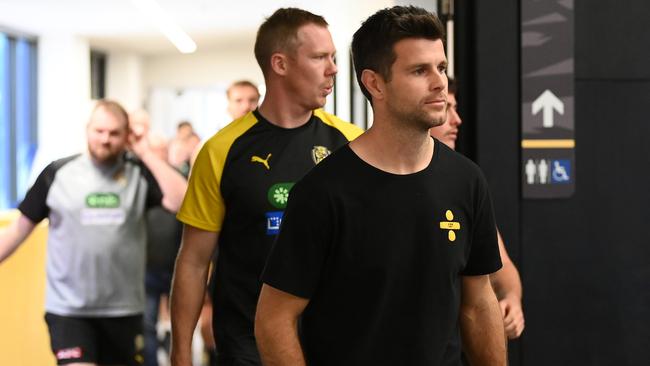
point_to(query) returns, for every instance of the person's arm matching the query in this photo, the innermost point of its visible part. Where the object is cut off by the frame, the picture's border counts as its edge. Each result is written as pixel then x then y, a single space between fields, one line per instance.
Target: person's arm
pixel 188 289
pixel 481 324
pixel 195 153
pixel 507 286
pixel 276 327
pixel 205 323
pixel 14 235
pixel 172 184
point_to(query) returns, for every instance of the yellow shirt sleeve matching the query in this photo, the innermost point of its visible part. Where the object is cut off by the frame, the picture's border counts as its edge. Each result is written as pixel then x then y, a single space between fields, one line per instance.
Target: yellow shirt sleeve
pixel 203 206
pixel 349 130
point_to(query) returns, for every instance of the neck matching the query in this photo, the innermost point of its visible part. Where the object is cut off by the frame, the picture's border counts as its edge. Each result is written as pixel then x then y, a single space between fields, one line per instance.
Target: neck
pixel 106 164
pixel 393 148
pixel 282 110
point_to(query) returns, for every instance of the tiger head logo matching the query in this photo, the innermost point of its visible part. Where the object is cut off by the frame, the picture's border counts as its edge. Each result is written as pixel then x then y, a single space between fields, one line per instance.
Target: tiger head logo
pixel 318 153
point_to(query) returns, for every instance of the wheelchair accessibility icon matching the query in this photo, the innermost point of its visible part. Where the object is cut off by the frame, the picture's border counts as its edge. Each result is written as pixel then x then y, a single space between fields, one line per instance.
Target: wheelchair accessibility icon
pixel 561 171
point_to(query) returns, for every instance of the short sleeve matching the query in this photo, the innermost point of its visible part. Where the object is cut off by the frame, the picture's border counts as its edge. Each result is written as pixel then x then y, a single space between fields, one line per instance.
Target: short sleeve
pixel 34 206
pixel 300 251
pixel 484 255
pixel 203 206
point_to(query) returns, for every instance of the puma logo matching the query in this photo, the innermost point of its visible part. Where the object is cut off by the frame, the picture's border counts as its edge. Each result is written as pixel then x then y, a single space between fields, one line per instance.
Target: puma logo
pixel 265 162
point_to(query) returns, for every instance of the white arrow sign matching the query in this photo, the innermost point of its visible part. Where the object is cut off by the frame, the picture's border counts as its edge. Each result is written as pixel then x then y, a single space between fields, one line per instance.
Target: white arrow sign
pixel 547 102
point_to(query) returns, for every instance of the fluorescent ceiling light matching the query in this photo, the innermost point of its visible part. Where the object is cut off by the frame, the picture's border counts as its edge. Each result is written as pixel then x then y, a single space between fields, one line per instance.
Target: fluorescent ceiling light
pixel 152 11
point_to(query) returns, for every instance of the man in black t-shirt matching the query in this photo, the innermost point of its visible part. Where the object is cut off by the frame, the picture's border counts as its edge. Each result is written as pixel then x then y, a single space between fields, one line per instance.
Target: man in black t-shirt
pixel 385 247
pixel 505 282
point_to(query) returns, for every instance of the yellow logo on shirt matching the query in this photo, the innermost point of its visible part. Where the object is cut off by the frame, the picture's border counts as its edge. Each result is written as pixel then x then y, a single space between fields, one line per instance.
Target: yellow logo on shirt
pixel 318 153
pixel 265 162
pixel 450 225
pixel 120 178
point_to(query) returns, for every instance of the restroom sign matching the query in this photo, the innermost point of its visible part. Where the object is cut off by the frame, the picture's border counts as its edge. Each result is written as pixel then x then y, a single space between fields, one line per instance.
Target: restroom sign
pixel 547 99
pixel 548 171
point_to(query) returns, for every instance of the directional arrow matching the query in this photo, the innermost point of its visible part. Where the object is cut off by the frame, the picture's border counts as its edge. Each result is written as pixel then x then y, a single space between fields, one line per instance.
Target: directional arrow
pixel 547 102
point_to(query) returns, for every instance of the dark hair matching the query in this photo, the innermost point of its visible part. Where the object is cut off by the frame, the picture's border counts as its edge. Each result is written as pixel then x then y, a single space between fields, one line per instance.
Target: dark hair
pixel 184 123
pixel 452 86
pixel 373 43
pixel 279 33
pixel 113 108
pixel 241 83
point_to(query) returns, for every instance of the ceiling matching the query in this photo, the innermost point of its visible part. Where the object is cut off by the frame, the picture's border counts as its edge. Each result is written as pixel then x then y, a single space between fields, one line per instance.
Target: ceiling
pixel 118 24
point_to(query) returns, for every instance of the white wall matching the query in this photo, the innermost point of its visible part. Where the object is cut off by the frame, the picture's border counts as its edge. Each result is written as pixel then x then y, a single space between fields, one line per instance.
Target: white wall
pixel 124 80
pixel 193 87
pixel 204 107
pixel 227 63
pixel 63 96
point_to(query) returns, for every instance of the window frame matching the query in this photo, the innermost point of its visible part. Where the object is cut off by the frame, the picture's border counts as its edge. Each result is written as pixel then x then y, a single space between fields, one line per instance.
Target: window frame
pixel 19 104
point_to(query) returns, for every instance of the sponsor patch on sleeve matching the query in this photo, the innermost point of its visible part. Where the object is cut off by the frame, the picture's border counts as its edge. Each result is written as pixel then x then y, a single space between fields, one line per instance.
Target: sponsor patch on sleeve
pixel 69 353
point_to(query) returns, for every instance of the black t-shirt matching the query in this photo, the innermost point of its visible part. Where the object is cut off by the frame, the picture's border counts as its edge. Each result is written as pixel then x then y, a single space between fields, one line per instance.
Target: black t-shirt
pixel 380 257
pixel 164 233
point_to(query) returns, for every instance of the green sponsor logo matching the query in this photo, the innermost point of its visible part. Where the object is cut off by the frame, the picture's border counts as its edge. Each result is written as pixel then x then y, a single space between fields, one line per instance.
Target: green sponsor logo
pixel 278 194
pixel 103 200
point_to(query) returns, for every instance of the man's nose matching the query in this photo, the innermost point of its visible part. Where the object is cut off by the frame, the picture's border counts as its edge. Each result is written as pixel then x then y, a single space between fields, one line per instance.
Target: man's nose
pixel 332 68
pixel 456 120
pixel 438 80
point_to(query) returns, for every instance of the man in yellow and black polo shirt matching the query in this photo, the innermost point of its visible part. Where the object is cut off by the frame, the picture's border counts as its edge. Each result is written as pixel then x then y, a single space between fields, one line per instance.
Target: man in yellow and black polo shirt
pixel 241 180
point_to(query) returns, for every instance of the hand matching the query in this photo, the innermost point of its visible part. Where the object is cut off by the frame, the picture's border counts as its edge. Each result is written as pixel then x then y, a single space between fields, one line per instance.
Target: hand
pixel 138 143
pixel 513 316
pixel 205 323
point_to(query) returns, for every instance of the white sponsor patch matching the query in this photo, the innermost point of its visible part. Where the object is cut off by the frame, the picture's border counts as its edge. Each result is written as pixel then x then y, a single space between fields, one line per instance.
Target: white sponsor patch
pixel 69 353
pixel 102 216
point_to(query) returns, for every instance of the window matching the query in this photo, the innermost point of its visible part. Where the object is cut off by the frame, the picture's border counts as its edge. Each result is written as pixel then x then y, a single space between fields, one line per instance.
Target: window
pixel 17 116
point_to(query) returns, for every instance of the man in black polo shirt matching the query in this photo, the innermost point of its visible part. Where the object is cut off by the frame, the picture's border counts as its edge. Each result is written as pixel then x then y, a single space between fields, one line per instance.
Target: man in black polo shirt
pixel 386 246
pixel 241 180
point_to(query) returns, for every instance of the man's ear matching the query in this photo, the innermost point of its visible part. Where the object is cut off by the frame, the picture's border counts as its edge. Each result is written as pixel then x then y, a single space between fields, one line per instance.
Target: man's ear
pixel 279 63
pixel 374 83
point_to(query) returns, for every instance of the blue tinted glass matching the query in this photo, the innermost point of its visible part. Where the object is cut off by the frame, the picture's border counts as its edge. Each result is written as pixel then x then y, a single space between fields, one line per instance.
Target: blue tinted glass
pixel 25 126
pixel 5 128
